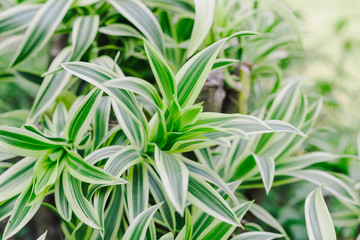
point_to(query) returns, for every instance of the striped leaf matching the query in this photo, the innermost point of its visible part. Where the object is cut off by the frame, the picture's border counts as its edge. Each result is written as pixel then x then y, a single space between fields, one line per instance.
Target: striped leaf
pixel 174 176
pixel 43 236
pixel 122 160
pixel 101 120
pixel 51 86
pixel 257 236
pixel 6 208
pixel 163 74
pixel 207 199
pixel 22 212
pixel 101 154
pixel 23 142
pixel 192 76
pixel 137 190
pixel 78 203
pixel 45 173
pixel 97 76
pixel 112 213
pixel 266 167
pixel 158 193
pixel 120 30
pixel 139 15
pixel 61 203
pixel 17 18
pixel 83 34
pixel 204 15
pixel 137 86
pixel 81 116
pixel 318 221
pixel 41 28
pixel 83 171
pixel 135 133
pixel 332 184
pixel 15 179
pixel 137 229
pixel 188 225
pixel 208 175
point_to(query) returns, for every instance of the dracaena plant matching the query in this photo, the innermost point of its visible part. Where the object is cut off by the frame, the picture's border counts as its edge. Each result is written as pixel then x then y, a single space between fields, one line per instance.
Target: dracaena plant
pixel 116 151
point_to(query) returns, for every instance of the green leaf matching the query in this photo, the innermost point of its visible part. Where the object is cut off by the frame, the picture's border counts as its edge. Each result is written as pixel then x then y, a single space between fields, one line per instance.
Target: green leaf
pixel 41 28
pixel 318 221
pixel 257 236
pixel 137 229
pixel 286 14
pixel 188 225
pixel 101 154
pixel 135 133
pixel 174 176
pixel 101 120
pixel 139 15
pixel 159 195
pixel 83 171
pixel 137 190
pixel 192 76
pixel 23 142
pixel 204 15
pixel 6 208
pixel 168 236
pixel 120 30
pixel 163 74
pixel 15 179
pixel 332 184
pixel 97 76
pixel 266 167
pixel 81 116
pixel 208 175
pixel 22 212
pixel 51 86
pixel 122 160
pixel 61 203
pixel 78 203
pixel 83 34
pixel 207 199
pixel 224 62
pixel 45 173
pixel 138 86
pixel 17 18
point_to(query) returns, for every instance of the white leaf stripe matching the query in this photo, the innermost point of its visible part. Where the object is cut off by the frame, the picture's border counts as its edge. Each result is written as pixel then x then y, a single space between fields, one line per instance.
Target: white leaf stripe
pixel 137 229
pixel 16 178
pixel 163 74
pixel 204 14
pixel 88 173
pixel 139 15
pixel 61 203
pixel 120 29
pixel 22 212
pixel 158 193
pixel 137 190
pixel 84 32
pixel 207 199
pixel 257 236
pixel 51 86
pixel 23 142
pixel 122 160
pixel 101 154
pixel 41 28
pixel 81 117
pixel 17 18
pixel 318 221
pixel 138 86
pixel 97 76
pixel 266 167
pixel 174 176
pixel 78 203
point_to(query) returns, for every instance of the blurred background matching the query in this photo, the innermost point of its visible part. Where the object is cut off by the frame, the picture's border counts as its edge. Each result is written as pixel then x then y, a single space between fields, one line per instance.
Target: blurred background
pixel 332 67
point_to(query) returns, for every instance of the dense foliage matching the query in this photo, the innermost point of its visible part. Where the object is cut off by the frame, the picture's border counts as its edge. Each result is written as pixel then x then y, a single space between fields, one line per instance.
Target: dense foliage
pixel 119 144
